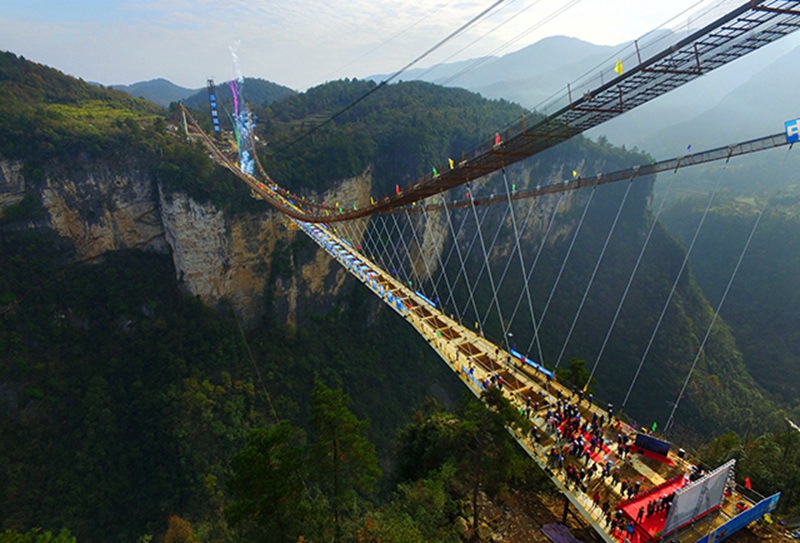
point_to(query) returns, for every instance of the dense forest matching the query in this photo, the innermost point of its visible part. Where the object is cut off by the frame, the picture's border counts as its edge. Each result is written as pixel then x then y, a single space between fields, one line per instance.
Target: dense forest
pixel 130 411
pixel 761 300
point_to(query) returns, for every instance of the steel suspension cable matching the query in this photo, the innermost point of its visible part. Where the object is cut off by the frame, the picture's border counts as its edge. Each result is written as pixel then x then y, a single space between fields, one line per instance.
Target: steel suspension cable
pixel 438 250
pixel 406 278
pixel 476 40
pixel 671 419
pixel 461 261
pixel 386 261
pixel 591 278
pixel 518 247
pixel 395 75
pixel 385 233
pixel 485 264
pixel 361 230
pixel 511 42
pixel 447 261
pixel 633 274
pixel 534 324
pixel 514 248
pixel 508 210
pixel 411 261
pixel 564 263
pixel 424 260
pixel 671 293
pixel 370 236
pixel 478 277
pixel 489 272
pixel 474 283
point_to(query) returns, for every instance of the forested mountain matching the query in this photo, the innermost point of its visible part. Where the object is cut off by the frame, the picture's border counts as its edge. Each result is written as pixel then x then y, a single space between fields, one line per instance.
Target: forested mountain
pixel 763 318
pixel 257 92
pixel 152 315
pixel 159 91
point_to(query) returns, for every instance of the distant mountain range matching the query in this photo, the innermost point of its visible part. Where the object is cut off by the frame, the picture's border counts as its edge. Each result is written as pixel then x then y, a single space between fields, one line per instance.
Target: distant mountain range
pixel 527 76
pixel 724 106
pixel 159 91
pixel 255 91
pixel 164 92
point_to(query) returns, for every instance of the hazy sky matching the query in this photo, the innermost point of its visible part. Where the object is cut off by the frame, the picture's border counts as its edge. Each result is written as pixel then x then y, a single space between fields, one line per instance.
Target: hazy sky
pixel 300 43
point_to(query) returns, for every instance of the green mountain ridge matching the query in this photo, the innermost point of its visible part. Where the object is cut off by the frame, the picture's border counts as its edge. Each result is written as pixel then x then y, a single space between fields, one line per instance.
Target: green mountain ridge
pixel 159 91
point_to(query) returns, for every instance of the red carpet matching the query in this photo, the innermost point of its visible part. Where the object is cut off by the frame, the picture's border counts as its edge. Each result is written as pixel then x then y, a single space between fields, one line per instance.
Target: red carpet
pixel 600 453
pixel 649 526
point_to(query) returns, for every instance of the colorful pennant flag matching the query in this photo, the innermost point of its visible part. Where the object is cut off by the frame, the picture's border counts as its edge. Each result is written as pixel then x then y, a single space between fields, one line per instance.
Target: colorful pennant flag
pixel 618 67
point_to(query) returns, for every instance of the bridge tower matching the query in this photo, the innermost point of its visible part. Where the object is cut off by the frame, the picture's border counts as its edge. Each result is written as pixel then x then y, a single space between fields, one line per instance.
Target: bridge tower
pixel 212 100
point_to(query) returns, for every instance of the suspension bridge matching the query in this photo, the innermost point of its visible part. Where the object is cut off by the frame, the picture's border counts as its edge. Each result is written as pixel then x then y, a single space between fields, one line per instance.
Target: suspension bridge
pixel 429 253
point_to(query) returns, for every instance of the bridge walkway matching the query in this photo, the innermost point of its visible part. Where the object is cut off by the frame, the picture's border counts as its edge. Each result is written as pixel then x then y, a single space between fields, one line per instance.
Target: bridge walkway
pixel 462 348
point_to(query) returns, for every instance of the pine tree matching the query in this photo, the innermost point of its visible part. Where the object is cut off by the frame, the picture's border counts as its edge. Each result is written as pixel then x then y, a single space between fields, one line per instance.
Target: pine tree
pixel 342 457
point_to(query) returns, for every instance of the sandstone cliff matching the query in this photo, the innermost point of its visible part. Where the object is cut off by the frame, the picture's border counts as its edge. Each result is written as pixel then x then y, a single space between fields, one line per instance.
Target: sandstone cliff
pixel 223 258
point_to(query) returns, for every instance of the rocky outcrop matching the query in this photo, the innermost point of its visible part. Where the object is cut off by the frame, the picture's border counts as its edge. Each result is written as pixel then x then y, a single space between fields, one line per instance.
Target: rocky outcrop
pixel 217 258
pixel 104 210
pixel 223 259
pixel 12 184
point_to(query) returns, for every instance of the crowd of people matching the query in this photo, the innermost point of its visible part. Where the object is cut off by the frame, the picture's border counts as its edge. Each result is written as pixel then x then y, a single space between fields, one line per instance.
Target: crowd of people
pixel 588 445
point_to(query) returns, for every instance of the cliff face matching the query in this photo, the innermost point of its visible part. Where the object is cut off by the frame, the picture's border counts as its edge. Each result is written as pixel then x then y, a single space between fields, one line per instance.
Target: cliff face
pixel 259 264
pixel 216 256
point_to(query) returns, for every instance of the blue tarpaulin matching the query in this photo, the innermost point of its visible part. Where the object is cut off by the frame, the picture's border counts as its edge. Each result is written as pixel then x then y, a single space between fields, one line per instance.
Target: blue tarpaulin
pixel 742 519
pixel 418 293
pixel 466 372
pixel 532 364
pixel 650 443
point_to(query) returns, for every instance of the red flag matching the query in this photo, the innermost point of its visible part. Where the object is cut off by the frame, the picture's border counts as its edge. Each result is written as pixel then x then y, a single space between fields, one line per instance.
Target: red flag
pixel 397 188
pixel 747 483
pixel 497 138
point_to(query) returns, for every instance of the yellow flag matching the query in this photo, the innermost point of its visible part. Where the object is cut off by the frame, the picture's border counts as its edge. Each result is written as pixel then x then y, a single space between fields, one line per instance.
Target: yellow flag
pixel 574 173
pixel 618 67
pixel 452 164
